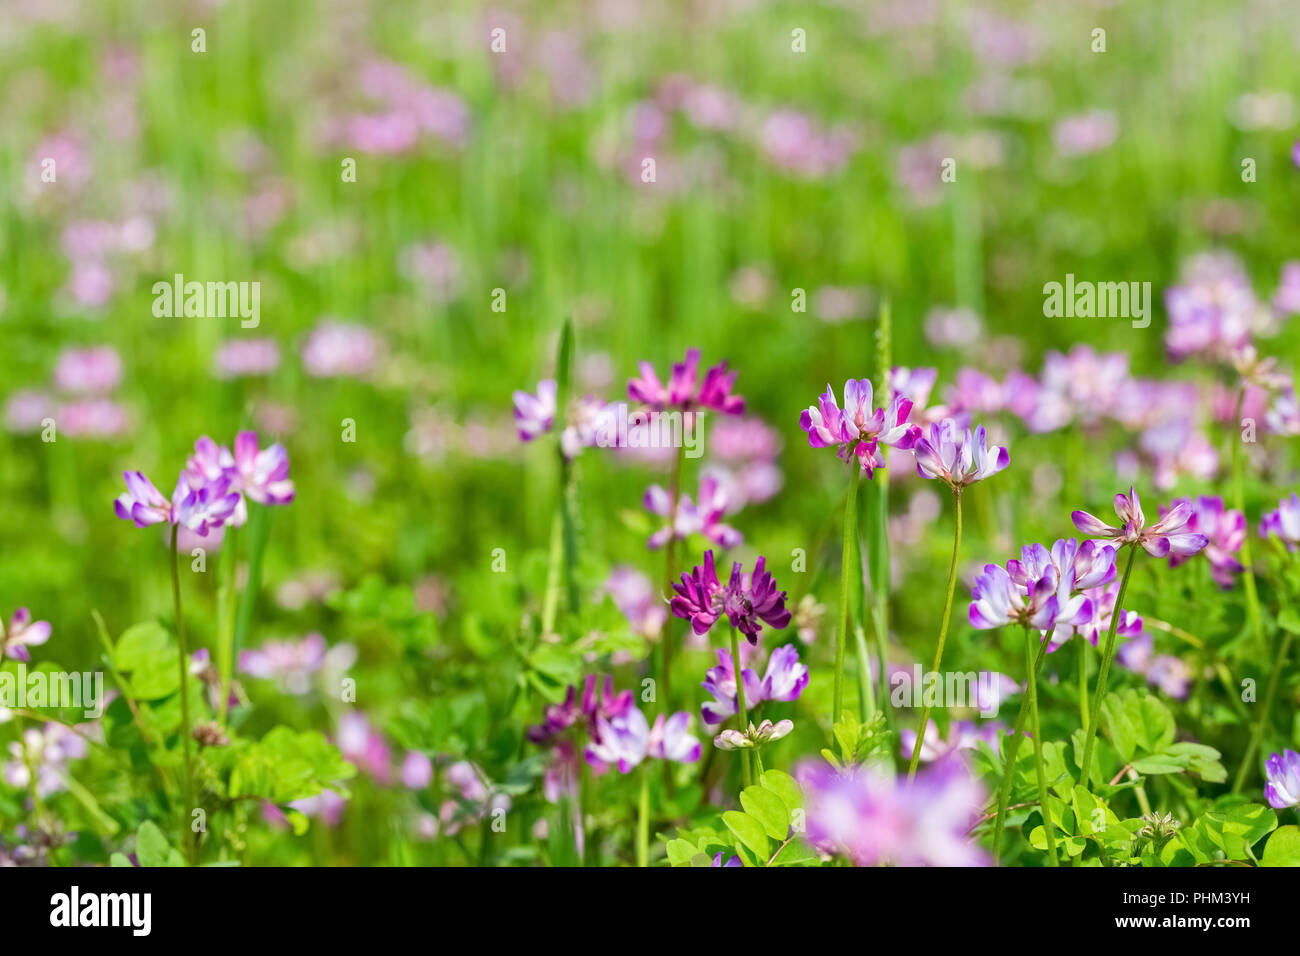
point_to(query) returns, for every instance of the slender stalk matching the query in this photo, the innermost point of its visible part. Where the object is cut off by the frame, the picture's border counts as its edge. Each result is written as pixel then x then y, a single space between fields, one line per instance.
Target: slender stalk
pixel 183 662
pixel 643 820
pixel 867 694
pixel 226 616
pixel 670 565
pixel 1083 683
pixel 879 568
pixel 943 634
pixel 1013 747
pixel 1038 745
pixel 740 705
pixel 1108 655
pixel 1238 501
pixel 552 600
pixel 1256 735
pixel 846 583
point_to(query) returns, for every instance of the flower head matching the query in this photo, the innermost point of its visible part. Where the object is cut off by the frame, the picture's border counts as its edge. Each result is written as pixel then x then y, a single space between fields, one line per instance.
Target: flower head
pixel 958 457
pixel 21 634
pixel 748 601
pixel 1225 531
pixel 681 393
pixel 702 517
pixel 1283 522
pixel 1283 787
pixel 857 429
pixel 1169 535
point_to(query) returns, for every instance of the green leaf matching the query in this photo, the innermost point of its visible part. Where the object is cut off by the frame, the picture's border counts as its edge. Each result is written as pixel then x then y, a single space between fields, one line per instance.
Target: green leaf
pixel 768 809
pixel 795 853
pixel 680 852
pixel 152 848
pixel 1282 848
pixel 749 832
pixel 1137 720
pixel 785 787
pixel 147 653
pixel 1236 829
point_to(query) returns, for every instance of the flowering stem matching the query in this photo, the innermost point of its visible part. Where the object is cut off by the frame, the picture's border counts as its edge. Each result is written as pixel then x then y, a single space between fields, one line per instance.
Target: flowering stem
pixel 943 633
pixel 226 619
pixel 1256 735
pixel 183 664
pixel 1238 501
pixel 643 820
pixel 846 581
pixel 1108 655
pixel 1038 745
pixel 670 560
pixel 1083 684
pixel 878 566
pixel 740 703
pixel 259 532
pixel 1012 748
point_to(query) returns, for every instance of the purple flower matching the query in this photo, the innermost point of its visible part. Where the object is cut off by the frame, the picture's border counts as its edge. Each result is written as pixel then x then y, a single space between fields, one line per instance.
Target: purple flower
pixel 1283 787
pixel 1283 522
pixel 21 634
pixel 637 599
pixel 875 820
pixel 596 702
pixel 1169 535
pixel 785 677
pixel 93 370
pixel 535 414
pixel 417 771
pixel 1096 620
pixel 748 604
pixel 732 861
pixel 263 475
pixel 680 392
pixel 622 741
pixel 857 430
pixel 143 504
pixel 291 663
pixel 244 357
pixel 692 518
pixel 205 508
pixel 361 744
pixel 997 600
pixel 1165 671
pixel 340 349
pixel 1225 531
pixel 959 458
pixel 670 739
pixel 1213 310
pixel 962 735
pixel 720 681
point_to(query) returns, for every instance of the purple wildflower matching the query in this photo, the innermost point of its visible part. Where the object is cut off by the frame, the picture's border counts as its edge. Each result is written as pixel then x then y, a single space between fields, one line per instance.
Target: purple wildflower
pixel 680 392
pixel 748 604
pixel 959 458
pixel 535 414
pixel 1283 522
pixel 1283 787
pixel 1169 535
pixel 856 429
pixel 21 634
pixel 692 518
pixel 1225 531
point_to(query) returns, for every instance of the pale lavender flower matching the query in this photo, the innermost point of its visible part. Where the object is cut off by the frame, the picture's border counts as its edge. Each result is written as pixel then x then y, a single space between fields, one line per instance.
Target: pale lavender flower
pixel 622 741
pixel 997 600
pixel 340 350
pixel 958 457
pixel 535 414
pixel 637 599
pixel 263 475
pixel 362 745
pixel 720 682
pixel 417 771
pixel 1213 310
pixel 21 634
pixel 692 518
pixel 962 735
pixel 1283 787
pixel 1286 300
pixel 1283 522
pixel 144 504
pixel 1225 530
pixel 289 663
pixel 92 418
pixel 670 739
pixel 238 358
pixel 1096 621
pixel 1170 674
pixel 47 750
pixel 785 678
pixel 875 820
pixel 26 411
pixel 93 370
pixel 1169 535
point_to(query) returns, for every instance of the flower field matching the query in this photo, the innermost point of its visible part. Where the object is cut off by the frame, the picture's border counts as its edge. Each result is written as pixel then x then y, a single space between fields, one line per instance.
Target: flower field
pixel 737 434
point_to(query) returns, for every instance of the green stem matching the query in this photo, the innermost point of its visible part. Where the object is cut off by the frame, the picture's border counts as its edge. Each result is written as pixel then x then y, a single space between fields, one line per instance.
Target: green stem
pixel 1257 735
pixel 1083 683
pixel 879 568
pixel 226 618
pixel 740 705
pixel 1012 748
pixel 943 634
pixel 1108 655
pixel 183 663
pixel 1238 501
pixel 552 600
pixel 643 820
pixel 846 582
pixel 1037 733
pixel 670 563
pixel 867 694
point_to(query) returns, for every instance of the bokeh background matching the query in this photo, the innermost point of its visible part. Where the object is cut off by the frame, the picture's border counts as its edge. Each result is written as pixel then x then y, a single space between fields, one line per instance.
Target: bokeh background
pixel 775 171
